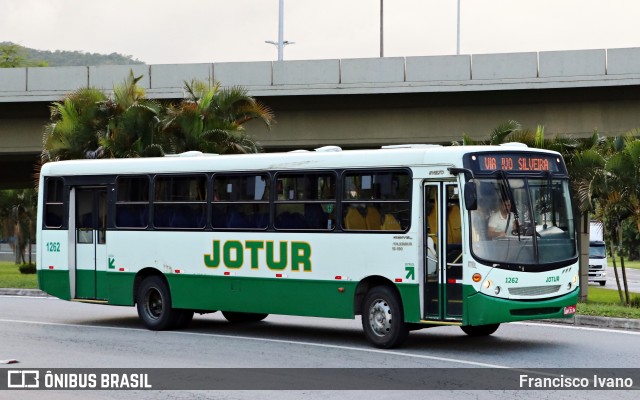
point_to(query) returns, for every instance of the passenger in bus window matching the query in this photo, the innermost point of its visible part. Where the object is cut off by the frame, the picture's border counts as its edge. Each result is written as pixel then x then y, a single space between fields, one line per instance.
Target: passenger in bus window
pixel 501 222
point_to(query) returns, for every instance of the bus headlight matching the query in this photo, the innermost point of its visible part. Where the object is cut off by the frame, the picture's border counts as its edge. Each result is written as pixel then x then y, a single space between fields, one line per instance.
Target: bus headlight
pixel 575 279
pixel 569 285
pixel 487 284
pixel 497 290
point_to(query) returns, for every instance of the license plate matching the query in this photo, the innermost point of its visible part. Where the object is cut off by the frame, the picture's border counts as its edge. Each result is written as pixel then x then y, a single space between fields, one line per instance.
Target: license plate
pixel 568 310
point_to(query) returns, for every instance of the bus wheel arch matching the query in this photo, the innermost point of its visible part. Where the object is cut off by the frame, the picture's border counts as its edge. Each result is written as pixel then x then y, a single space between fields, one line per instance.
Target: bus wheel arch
pixel 153 301
pixel 383 314
pixel 365 286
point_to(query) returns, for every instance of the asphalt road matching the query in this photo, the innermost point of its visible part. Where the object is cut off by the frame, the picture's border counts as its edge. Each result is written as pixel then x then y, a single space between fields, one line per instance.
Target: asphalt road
pixel 50 333
pixel 633 278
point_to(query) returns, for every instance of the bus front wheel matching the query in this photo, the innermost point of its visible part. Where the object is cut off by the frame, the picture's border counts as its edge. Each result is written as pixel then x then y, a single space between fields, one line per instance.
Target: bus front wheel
pixel 154 305
pixel 383 319
pixel 480 330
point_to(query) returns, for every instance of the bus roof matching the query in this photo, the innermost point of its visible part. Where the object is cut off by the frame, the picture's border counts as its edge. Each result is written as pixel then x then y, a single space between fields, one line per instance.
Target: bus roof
pixel 333 157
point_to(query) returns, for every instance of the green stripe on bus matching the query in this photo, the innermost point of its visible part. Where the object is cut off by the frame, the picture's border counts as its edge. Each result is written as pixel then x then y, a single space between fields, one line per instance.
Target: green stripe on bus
pixel 54 282
pixel 262 295
pixel 276 296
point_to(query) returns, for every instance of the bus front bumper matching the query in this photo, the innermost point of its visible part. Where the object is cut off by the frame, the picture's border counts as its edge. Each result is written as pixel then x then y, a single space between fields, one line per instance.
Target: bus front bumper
pixel 482 309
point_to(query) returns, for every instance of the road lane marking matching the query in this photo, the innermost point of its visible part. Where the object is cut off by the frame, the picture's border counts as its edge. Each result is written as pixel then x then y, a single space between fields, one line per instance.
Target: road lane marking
pixel 583 328
pixel 329 346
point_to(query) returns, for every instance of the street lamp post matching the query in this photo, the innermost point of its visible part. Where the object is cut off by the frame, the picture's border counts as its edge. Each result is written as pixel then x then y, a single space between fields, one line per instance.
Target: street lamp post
pixel 381 28
pixel 281 42
pixel 458 31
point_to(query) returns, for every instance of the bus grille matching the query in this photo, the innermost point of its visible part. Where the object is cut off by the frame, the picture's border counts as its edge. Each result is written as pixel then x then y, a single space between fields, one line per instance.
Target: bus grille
pixel 534 290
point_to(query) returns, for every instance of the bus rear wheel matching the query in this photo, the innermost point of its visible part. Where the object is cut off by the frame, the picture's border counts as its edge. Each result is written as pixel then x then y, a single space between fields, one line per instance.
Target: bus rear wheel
pixel 480 330
pixel 154 305
pixel 383 319
pixel 241 317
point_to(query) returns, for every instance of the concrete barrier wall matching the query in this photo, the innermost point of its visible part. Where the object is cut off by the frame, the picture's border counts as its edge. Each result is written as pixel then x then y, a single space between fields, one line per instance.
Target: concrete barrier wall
pixel 623 61
pixel 505 66
pixel 174 75
pixel 428 73
pixel 308 72
pixel 572 63
pixel 372 70
pixel 13 79
pixel 107 76
pixel 245 74
pixel 57 78
pixel 438 68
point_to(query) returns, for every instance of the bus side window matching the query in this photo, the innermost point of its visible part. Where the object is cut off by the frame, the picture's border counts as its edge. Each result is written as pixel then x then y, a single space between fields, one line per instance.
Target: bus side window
pixel 376 200
pixel 180 201
pixel 132 202
pixel 305 201
pixel 54 203
pixel 241 201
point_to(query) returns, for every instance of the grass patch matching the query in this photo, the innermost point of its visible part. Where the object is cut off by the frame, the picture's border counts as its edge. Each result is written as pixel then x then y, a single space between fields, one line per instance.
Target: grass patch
pixel 606 303
pixel 627 264
pixel 10 277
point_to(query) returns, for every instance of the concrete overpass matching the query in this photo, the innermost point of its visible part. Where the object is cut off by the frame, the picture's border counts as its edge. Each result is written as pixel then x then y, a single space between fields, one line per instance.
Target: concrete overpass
pixel 361 102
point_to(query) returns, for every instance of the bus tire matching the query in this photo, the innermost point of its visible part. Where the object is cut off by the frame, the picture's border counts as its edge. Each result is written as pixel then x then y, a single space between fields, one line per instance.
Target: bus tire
pixel 480 330
pixel 242 317
pixel 154 305
pixel 383 318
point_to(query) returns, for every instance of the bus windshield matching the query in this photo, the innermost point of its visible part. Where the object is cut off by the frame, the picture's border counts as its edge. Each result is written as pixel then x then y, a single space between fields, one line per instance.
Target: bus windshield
pixel 524 222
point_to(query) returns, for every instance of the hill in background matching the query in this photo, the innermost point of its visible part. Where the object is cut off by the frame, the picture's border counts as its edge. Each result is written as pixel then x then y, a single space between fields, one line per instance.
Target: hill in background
pixel 61 58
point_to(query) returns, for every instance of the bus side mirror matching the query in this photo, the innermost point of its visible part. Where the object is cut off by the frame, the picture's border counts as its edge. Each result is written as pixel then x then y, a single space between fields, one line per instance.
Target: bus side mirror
pixel 470 196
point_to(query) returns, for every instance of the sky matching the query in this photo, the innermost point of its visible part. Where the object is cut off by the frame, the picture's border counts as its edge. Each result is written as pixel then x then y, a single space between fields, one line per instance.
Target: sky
pixel 203 31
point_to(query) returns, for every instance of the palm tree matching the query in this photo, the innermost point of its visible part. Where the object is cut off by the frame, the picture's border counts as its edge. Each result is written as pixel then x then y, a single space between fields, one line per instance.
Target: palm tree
pixel 211 119
pixel 77 122
pixel 133 122
pixel 18 216
pixel 623 170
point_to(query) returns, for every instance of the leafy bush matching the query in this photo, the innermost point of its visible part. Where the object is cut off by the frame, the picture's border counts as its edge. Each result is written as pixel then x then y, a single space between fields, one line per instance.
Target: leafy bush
pixel 27 269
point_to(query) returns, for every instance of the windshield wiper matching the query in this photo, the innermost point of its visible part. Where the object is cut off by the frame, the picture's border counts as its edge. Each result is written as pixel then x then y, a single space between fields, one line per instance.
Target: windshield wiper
pixel 509 193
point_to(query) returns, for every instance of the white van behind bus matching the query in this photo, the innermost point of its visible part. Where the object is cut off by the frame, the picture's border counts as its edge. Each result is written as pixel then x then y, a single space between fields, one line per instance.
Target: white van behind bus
pixel 597 254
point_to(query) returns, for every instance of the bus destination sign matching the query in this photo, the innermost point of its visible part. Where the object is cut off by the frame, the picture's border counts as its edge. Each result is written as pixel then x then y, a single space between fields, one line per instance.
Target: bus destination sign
pixel 516 163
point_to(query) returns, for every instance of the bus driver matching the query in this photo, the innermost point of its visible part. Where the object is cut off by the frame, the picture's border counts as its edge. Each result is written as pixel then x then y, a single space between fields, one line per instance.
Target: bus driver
pixel 501 222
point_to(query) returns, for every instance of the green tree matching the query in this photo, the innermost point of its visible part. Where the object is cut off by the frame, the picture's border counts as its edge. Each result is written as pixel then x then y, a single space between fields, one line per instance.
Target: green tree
pixel 18 220
pixel 212 120
pixel 133 122
pixel 15 56
pixel 77 123
pixel 88 124
pixel 623 172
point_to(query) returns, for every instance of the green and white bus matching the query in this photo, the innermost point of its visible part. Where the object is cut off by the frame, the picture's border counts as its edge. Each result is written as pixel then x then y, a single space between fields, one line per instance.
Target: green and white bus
pixel 397 235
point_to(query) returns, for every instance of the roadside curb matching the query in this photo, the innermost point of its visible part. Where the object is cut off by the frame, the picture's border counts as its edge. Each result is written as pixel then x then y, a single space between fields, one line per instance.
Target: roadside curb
pixel 598 322
pixel 23 292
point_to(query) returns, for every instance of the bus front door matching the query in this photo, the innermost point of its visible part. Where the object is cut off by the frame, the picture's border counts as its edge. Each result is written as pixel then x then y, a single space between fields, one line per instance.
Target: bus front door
pixel 90 236
pixel 442 247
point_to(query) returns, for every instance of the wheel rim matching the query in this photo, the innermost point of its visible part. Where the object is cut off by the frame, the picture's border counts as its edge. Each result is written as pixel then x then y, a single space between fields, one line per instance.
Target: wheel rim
pixel 380 317
pixel 153 303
